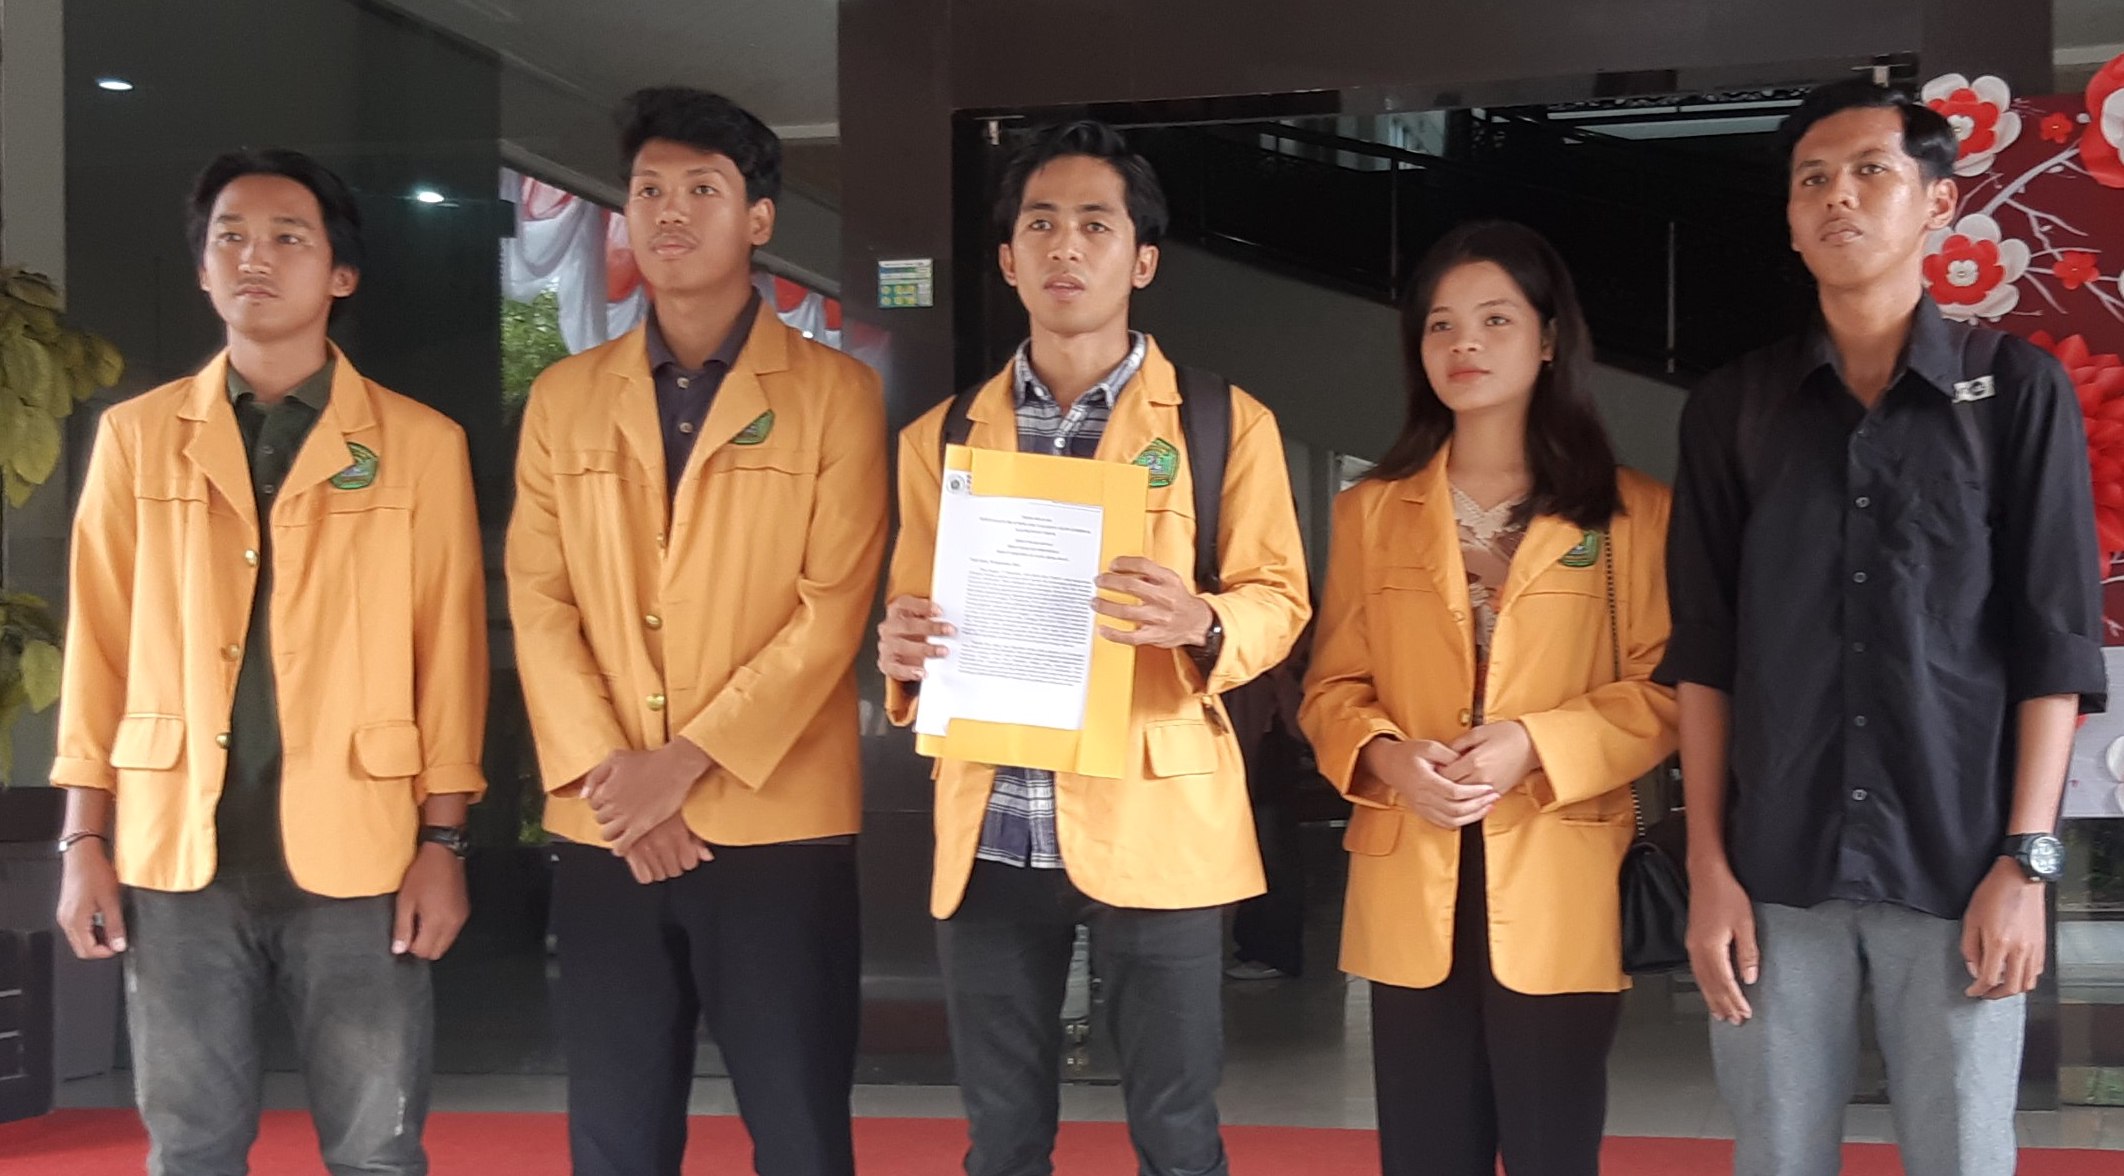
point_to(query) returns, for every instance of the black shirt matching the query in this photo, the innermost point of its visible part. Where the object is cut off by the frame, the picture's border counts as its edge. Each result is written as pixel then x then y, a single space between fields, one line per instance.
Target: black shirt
pixel 683 394
pixel 1878 591
pixel 247 818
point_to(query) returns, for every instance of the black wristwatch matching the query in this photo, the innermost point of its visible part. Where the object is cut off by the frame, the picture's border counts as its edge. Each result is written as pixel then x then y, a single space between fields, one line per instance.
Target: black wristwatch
pixel 451 836
pixel 2040 855
pixel 1206 654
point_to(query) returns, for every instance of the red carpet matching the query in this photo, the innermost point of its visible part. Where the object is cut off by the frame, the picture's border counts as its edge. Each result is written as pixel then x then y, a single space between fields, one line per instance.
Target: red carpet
pixel 111 1143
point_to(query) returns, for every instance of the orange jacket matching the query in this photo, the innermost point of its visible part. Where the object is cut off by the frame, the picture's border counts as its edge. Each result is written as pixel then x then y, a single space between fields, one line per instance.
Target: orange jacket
pixel 378 619
pixel 732 617
pixel 1395 656
pixel 1177 831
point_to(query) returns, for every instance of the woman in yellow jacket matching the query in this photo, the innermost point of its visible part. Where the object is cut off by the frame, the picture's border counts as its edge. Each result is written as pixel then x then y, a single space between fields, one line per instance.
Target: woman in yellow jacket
pixel 1495 604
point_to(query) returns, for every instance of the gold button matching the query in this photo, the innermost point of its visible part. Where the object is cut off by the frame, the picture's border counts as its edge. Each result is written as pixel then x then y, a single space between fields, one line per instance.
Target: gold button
pixel 232 652
pixel 222 740
pixel 653 621
pixel 686 427
pixel 659 538
pixel 1466 717
pixel 656 702
pixel 250 556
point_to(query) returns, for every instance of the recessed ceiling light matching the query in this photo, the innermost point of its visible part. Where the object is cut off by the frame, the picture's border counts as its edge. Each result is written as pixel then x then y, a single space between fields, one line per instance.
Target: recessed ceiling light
pixel 114 85
pixel 428 196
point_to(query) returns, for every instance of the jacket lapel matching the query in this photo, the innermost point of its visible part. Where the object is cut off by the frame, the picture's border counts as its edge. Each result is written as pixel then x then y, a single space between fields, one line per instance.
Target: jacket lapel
pixel 741 403
pixel 993 416
pixel 625 378
pixel 213 442
pixel 1548 540
pixel 1148 410
pixel 1432 534
pixel 348 417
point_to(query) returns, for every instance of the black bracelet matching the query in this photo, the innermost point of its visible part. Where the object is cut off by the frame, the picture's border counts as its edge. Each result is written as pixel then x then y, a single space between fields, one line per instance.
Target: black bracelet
pixel 73 839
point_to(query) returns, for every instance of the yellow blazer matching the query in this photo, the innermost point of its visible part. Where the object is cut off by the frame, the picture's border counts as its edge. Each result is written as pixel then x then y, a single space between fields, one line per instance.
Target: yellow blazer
pixel 378 619
pixel 1176 833
pixel 1395 655
pixel 731 617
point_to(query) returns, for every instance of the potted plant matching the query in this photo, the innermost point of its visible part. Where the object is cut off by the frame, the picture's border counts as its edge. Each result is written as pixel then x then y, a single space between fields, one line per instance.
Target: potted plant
pixel 47 366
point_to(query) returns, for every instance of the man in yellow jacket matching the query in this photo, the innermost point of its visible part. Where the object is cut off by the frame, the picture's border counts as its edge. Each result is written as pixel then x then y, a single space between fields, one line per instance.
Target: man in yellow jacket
pixel 1148 860
pixel 700 515
pixel 275 685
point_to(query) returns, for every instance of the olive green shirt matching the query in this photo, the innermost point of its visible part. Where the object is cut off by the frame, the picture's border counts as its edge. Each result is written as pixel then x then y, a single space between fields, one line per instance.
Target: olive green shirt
pixel 247 821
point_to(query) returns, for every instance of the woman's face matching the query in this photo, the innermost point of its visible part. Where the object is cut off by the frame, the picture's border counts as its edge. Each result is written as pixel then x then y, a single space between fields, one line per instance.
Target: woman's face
pixel 1483 343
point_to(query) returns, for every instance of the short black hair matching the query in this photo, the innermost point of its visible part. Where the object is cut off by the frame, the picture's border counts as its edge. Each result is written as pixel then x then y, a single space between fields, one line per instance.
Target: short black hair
pixel 1927 136
pixel 705 122
pixel 1146 199
pixel 342 218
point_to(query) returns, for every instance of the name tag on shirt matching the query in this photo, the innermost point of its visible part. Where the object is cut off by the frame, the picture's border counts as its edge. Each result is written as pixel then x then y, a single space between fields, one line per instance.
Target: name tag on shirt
pixel 1980 388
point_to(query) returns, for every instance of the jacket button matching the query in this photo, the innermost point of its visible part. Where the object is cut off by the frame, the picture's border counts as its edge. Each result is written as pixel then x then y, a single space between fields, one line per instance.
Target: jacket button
pixel 1466 717
pixel 250 556
pixel 656 702
pixel 653 621
pixel 232 652
pixel 221 740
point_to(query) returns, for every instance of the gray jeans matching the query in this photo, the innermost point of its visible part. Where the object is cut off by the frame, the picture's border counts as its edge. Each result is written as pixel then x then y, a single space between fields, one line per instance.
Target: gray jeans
pixel 1787 1073
pixel 198 973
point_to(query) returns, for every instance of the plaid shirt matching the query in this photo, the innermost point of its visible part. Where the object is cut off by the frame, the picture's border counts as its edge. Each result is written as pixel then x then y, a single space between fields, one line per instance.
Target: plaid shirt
pixel 1019 827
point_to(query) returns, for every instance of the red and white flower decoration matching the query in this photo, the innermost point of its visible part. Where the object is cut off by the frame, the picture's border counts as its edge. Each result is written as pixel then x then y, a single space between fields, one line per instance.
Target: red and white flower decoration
pixel 2099 382
pixel 2102 146
pixel 1981 113
pixel 1971 269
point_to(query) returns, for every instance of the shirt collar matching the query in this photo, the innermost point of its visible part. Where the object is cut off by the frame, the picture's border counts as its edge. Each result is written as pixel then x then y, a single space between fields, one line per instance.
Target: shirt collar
pixel 314 392
pixel 1027 385
pixel 1933 350
pixel 660 356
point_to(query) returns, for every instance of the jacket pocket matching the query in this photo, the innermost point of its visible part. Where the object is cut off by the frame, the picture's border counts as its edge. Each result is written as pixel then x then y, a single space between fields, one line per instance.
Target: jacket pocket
pixel 151 743
pixel 1372 832
pixel 389 751
pixel 1180 747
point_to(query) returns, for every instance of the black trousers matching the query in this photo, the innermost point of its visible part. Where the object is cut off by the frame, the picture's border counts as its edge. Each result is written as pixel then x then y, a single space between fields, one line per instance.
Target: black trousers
pixel 1469 1070
pixel 764 942
pixel 1005 954
pixel 1270 928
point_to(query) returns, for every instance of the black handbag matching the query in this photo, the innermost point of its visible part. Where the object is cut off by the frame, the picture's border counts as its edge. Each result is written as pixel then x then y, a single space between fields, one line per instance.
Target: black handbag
pixel 1655 888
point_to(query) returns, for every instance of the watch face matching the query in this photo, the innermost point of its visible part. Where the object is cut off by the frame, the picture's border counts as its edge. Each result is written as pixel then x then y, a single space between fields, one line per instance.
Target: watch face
pixel 2046 857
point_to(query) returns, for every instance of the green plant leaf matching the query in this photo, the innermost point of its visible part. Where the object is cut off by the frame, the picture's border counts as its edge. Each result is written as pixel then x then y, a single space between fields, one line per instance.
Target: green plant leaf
pixel 11 703
pixel 26 367
pixel 40 673
pixel 29 615
pixel 105 365
pixel 18 491
pixel 35 289
pixel 34 451
pixel 38 322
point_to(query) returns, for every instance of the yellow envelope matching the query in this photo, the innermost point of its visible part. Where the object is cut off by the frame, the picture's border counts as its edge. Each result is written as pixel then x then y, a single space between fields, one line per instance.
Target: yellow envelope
pixel 1101 747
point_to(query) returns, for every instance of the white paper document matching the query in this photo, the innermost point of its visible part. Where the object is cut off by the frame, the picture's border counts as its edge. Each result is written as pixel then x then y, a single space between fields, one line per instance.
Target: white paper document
pixel 1014 578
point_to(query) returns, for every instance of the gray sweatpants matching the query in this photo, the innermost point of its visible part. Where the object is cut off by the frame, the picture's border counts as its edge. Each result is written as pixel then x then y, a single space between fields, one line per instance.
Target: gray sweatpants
pixel 1787 1073
pixel 201 966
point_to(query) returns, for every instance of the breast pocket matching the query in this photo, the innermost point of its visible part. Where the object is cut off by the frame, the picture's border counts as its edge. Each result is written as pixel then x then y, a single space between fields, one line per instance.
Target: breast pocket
pixel 1951 546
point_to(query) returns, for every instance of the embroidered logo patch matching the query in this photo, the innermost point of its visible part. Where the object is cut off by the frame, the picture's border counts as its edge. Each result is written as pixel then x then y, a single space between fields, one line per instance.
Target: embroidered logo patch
pixel 757 431
pixel 1980 388
pixel 361 473
pixel 1586 554
pixel 1163 462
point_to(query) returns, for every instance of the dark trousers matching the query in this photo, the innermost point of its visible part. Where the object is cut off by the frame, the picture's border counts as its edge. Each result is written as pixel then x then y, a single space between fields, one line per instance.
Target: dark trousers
pixel 1270 928
pixel 1005 954
pixel 764 942
pixel 200 968
pixel 1469 1070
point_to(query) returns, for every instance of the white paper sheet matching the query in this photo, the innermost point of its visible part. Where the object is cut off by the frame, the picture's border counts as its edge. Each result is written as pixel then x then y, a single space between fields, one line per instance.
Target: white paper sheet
pixel 1014 577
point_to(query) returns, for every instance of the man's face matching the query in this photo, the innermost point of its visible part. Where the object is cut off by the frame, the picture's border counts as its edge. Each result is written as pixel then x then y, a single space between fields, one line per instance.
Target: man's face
pixel 267 265
pixel 1859 206
pixel 690 225
pixel 1072 253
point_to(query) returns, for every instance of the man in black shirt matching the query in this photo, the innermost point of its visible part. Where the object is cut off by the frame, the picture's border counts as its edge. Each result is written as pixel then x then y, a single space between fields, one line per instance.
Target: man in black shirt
pixel 1886 618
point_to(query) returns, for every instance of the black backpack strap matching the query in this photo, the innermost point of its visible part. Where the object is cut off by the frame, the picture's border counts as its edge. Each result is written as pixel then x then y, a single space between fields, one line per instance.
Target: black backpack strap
pixel 958 422
pixel 1206 423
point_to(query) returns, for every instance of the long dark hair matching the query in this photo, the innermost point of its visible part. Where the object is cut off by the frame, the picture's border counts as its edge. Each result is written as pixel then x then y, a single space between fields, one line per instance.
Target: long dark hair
pixel 1567 447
